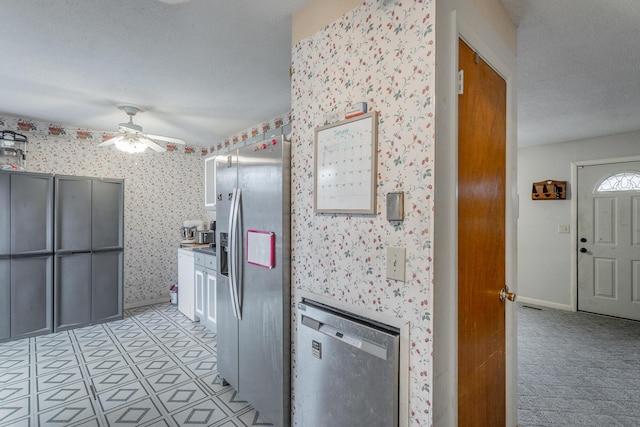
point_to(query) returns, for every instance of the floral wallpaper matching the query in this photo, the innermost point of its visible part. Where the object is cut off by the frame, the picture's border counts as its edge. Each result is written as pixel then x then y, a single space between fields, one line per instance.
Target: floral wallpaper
pixel 381 53
pixel 238 140
pixel 161 191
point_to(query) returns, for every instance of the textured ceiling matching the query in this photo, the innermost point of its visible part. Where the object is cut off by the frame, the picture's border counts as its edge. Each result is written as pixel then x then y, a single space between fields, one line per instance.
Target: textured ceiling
pixel 579 68
pixel 203 69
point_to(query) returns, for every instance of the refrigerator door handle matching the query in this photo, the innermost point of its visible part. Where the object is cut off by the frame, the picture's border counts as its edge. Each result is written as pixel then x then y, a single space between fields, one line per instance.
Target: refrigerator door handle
pixel 232 251
pixel 237 254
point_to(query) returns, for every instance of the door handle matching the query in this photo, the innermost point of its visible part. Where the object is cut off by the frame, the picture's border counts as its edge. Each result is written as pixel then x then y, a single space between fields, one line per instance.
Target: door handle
pixel 583 250
pixel 583 240
pixel 506 295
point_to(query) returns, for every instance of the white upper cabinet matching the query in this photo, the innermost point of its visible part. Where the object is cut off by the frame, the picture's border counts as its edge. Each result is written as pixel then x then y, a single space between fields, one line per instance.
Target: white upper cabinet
pixel 210 183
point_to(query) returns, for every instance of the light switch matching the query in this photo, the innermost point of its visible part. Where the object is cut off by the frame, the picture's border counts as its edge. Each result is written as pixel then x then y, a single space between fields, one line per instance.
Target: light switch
pixel 563 228
pixel 395 263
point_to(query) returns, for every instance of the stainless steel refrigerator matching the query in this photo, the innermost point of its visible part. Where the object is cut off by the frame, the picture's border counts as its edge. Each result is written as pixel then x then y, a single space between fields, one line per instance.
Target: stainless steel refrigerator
pixel 253 275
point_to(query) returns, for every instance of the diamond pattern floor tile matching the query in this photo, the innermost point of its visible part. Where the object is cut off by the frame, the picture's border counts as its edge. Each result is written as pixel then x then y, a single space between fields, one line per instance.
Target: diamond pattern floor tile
pixel 100 353
pixel 14 375
pixel 253 418
pixel 113 379
pixel 135 413
pixel 62 395
pixel 14 391
pixel 67 414
pixel 14 362
pixel 204 413
pixel 54 353
pixel 170 378
pixel 155 368
pixel 56 364
pixel 148 353
pixel 58 379
pixel 104 366
pixel 122 395
pixel 184 395
pixel 14 410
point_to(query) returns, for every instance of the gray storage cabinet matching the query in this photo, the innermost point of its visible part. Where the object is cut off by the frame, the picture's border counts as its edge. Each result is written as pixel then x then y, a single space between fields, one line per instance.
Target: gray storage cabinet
pixel 26 251
pixel 5 298
pixel 89 216
pixel 31 296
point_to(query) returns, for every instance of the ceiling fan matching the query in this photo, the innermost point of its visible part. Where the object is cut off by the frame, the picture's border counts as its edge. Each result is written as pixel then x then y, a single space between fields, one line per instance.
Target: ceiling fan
pixel 131 138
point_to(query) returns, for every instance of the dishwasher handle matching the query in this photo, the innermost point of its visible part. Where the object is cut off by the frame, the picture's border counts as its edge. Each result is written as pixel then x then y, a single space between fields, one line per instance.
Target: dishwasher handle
pixel 353 340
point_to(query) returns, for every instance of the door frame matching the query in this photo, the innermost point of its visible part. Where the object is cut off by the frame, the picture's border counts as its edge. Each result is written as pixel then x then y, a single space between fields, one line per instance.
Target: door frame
pixel 574 218
pixel 461 19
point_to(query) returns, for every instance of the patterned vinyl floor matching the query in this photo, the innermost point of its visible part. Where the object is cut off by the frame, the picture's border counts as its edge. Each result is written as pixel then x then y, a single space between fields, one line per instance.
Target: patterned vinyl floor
pixel 153 368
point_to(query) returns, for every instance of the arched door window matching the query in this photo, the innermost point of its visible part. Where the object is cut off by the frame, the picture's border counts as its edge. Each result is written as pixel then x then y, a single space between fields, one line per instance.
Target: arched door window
pixel 623 181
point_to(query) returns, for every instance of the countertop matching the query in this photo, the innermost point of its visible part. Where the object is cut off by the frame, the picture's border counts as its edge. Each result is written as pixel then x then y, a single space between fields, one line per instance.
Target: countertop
pixel 205 250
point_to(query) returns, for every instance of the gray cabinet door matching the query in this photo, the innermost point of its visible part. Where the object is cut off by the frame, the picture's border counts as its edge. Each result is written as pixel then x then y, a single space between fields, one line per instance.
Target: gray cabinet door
pixel 31 213
pixel 5 298
pixel 107 214
pixel 73 213
pixel 31 296
pixel 5 213
pixel 106 291
pixel 72 296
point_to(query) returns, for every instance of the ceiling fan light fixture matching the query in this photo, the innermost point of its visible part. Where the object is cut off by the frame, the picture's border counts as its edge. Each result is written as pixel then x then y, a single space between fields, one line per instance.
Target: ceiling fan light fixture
pixel 131 138
pixel 130 145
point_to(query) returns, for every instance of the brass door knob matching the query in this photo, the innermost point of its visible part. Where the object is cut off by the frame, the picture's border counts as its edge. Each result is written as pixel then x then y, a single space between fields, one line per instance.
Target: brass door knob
pixel 505 294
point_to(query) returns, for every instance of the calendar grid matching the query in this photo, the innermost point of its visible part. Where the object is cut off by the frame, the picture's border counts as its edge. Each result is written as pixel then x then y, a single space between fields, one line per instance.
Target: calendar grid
pixel 345 166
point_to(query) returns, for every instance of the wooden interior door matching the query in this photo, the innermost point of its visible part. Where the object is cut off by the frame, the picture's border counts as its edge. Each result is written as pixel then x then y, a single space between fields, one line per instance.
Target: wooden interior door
pixel 481 243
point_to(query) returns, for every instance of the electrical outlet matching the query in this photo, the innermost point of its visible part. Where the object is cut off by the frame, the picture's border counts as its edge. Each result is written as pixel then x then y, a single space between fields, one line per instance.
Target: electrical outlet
pixel 563 229
pixel 395 263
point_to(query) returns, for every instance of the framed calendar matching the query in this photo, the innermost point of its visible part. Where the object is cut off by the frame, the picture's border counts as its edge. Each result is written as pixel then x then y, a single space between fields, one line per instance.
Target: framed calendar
pixel 345 166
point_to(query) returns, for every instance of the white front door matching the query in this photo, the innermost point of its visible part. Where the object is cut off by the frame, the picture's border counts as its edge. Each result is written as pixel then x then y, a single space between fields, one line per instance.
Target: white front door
pixel 609 239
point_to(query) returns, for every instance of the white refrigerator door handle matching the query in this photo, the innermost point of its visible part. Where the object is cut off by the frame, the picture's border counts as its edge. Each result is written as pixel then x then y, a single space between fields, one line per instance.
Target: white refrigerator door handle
pixel 232 262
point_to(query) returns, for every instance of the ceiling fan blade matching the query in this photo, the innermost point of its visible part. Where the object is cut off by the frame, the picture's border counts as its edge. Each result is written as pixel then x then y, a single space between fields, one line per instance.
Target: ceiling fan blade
pixel 109 141
pixel 166 138
pixel 149 143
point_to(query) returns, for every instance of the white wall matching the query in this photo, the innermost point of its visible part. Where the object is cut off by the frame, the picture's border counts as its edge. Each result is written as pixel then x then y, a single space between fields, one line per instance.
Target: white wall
pixel 544 255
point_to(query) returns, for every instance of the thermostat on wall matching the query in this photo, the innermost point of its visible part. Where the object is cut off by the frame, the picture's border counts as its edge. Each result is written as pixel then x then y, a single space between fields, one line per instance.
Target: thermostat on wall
pixel 355 110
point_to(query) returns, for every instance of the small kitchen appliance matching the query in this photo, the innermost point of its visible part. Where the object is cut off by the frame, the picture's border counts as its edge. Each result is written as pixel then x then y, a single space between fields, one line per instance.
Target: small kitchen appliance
pixel 189 230
pixel 204 236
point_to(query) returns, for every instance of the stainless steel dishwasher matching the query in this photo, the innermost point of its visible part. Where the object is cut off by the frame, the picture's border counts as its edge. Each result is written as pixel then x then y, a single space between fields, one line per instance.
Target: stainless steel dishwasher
pixel 347 369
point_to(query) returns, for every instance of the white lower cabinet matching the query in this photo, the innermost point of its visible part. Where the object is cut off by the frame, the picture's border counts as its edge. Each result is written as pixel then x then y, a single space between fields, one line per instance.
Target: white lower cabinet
pixel 211 297
pixel 185 283
pixel 205 289
pixel 199 293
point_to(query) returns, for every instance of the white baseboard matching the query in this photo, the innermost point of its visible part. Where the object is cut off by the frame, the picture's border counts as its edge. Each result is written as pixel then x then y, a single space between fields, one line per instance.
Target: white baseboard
pixel 542 303
pixel 147 302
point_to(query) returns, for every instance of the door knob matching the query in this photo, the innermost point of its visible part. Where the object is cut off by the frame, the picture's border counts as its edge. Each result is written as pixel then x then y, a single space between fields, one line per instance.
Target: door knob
pixel 583 240
pixel 583 250
pixel 505 294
